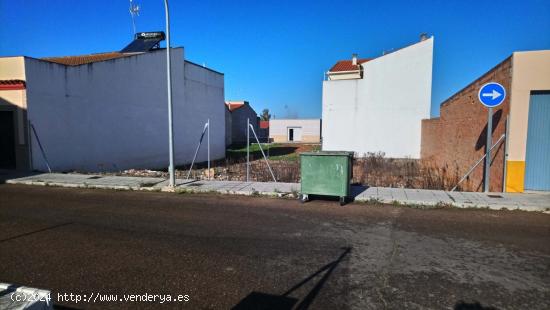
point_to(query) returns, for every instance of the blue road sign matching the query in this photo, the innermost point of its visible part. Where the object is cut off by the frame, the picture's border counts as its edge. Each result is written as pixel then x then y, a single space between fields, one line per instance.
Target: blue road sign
pixel 492 94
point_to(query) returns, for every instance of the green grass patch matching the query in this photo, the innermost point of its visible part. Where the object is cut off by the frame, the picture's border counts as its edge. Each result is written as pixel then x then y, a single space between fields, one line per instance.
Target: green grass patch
pixel 273 151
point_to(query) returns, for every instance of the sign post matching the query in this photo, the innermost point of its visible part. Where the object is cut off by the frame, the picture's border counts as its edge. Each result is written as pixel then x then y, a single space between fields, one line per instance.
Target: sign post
pixel 490 95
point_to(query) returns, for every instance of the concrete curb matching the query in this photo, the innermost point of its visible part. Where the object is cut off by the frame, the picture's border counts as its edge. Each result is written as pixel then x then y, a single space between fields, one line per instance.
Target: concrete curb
pixel 376 195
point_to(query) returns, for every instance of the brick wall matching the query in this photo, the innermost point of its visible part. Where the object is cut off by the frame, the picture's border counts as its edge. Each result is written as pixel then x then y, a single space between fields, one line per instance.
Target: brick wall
pixel 456 140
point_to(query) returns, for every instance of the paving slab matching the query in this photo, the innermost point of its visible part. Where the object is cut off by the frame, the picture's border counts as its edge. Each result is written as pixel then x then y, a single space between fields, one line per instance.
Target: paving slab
pixel 497 201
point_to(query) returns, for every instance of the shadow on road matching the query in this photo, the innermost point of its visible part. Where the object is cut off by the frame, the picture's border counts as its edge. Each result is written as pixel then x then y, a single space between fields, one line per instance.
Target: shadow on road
pixel 258 300
pixel 34 232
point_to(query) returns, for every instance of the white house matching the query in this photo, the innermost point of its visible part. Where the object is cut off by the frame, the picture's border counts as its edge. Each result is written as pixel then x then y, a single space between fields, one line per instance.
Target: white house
pixel 108 111
pixel 295 130
pixel 377 105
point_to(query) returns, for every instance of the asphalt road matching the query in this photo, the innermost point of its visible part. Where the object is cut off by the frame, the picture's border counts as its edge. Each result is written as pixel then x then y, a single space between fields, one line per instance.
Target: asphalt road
pixel 247 252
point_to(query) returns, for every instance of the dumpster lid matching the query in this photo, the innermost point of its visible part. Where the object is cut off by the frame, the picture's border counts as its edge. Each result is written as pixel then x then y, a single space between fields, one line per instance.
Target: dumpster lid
pixel 328 153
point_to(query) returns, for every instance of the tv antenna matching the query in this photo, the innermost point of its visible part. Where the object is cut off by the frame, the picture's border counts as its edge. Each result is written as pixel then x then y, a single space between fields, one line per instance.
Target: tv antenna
pixel 134 11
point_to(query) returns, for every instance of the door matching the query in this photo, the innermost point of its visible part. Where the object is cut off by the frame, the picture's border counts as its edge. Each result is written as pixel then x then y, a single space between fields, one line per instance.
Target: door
pixel 537 161
pixel 298 134
pixel 7 140
pixel 295 134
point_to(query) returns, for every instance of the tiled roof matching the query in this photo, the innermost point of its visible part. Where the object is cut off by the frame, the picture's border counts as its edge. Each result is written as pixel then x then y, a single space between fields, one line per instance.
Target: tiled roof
pixel 12 84
pixel 346 65
pixel 85 59
pixel 234 105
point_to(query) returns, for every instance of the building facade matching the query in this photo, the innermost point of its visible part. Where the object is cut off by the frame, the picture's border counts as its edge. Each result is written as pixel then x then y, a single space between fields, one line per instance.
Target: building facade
pixel 241 113
pixel 295 130
pixel 377 105
pixel 457 138
pixel 228 127
pixel 108 112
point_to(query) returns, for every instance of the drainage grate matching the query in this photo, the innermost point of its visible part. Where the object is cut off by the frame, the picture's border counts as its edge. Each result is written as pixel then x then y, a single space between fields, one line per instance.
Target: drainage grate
pixel 95 177
pixel 195 184
pixel 494 196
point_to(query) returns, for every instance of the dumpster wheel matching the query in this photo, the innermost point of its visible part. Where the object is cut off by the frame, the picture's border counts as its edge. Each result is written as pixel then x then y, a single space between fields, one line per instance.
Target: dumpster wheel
pixel 343 201
pixel 304 198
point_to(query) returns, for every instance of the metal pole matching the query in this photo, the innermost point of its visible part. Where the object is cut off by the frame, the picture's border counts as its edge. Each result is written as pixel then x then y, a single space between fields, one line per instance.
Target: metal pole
pixel 247 149
pixel 208 139
pixel 477 163
pixel 197 150
pixel 261 150
pixel 172 182
pixel 488 150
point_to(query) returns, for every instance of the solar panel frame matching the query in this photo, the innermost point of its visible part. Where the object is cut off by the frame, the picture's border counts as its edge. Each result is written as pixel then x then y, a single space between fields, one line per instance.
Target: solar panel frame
pixel 144 42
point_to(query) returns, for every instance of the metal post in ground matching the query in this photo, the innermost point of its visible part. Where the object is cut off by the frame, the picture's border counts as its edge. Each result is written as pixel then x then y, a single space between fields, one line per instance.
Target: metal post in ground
pixel 208 139
pixel 172 182
pixel 488 150
pixel 265 158
pixel 197 150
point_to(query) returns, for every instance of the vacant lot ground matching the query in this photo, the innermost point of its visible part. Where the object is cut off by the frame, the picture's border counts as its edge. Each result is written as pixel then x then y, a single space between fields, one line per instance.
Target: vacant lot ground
pixel 371 169
pixel 234 251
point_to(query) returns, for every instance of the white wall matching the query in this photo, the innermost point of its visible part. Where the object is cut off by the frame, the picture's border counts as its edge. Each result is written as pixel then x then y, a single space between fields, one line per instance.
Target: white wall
pixel 112 115
pixel 204 96
pixel 310 127
pixel 382 111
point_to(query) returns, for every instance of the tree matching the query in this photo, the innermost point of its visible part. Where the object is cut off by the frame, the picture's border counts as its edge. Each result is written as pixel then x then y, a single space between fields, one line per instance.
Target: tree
pixel 265 115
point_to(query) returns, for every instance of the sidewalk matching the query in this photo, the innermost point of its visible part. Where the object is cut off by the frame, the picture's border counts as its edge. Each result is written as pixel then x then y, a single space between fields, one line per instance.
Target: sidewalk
pixel 496 201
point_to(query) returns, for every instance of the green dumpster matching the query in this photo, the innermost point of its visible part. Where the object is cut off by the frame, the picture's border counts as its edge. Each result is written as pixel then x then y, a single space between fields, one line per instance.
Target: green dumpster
pixel 326 173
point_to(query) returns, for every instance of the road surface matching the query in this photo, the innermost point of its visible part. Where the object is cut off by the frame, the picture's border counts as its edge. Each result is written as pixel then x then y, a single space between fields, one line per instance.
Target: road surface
pixel 246 252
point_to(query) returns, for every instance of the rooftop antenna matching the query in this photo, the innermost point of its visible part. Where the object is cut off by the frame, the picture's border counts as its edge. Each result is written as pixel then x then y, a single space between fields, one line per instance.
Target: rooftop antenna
pixel 134 11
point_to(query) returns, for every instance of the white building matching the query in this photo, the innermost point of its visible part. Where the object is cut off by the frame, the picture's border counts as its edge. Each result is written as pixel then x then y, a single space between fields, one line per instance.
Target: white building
pixel 373 105
pixel 295 130
pixel 108 112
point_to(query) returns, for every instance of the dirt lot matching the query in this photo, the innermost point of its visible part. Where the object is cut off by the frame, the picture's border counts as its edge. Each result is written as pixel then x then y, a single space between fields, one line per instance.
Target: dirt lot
pixel 371 170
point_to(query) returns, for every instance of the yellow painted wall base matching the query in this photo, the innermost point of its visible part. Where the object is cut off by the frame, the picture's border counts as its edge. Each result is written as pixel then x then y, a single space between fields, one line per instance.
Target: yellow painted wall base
pixel 515 173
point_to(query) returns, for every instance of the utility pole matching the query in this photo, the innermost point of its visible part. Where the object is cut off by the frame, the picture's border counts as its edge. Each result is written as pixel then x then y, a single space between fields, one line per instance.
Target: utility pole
pixel 172 182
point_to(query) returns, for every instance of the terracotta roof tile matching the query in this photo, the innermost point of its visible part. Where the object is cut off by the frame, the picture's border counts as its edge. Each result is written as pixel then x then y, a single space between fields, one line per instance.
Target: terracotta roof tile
pixel 234 105
pixel 85 59
pixel 12 84
pixel 346 65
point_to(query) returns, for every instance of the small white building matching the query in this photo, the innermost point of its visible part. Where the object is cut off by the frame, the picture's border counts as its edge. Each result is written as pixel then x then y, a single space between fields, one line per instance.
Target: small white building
pixel 108 111
pixel 377 105
pixel 295 130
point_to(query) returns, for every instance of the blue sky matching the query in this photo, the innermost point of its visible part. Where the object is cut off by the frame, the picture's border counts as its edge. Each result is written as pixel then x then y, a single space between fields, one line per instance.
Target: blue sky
pixel 274 53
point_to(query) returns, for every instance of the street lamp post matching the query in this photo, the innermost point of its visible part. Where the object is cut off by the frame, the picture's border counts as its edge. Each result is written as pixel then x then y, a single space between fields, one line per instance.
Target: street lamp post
pixel 172 182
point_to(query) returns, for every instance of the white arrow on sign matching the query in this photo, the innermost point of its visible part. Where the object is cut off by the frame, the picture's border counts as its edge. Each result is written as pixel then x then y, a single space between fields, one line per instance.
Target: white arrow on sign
pixel 495 94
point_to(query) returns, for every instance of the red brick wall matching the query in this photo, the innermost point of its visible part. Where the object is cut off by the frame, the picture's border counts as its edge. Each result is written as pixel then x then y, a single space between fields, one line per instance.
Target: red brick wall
pixel 456 140
pixel 430 135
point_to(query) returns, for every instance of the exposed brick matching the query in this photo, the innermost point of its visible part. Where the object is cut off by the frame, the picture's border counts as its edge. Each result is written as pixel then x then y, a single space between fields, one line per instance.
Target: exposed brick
pixel 457 138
